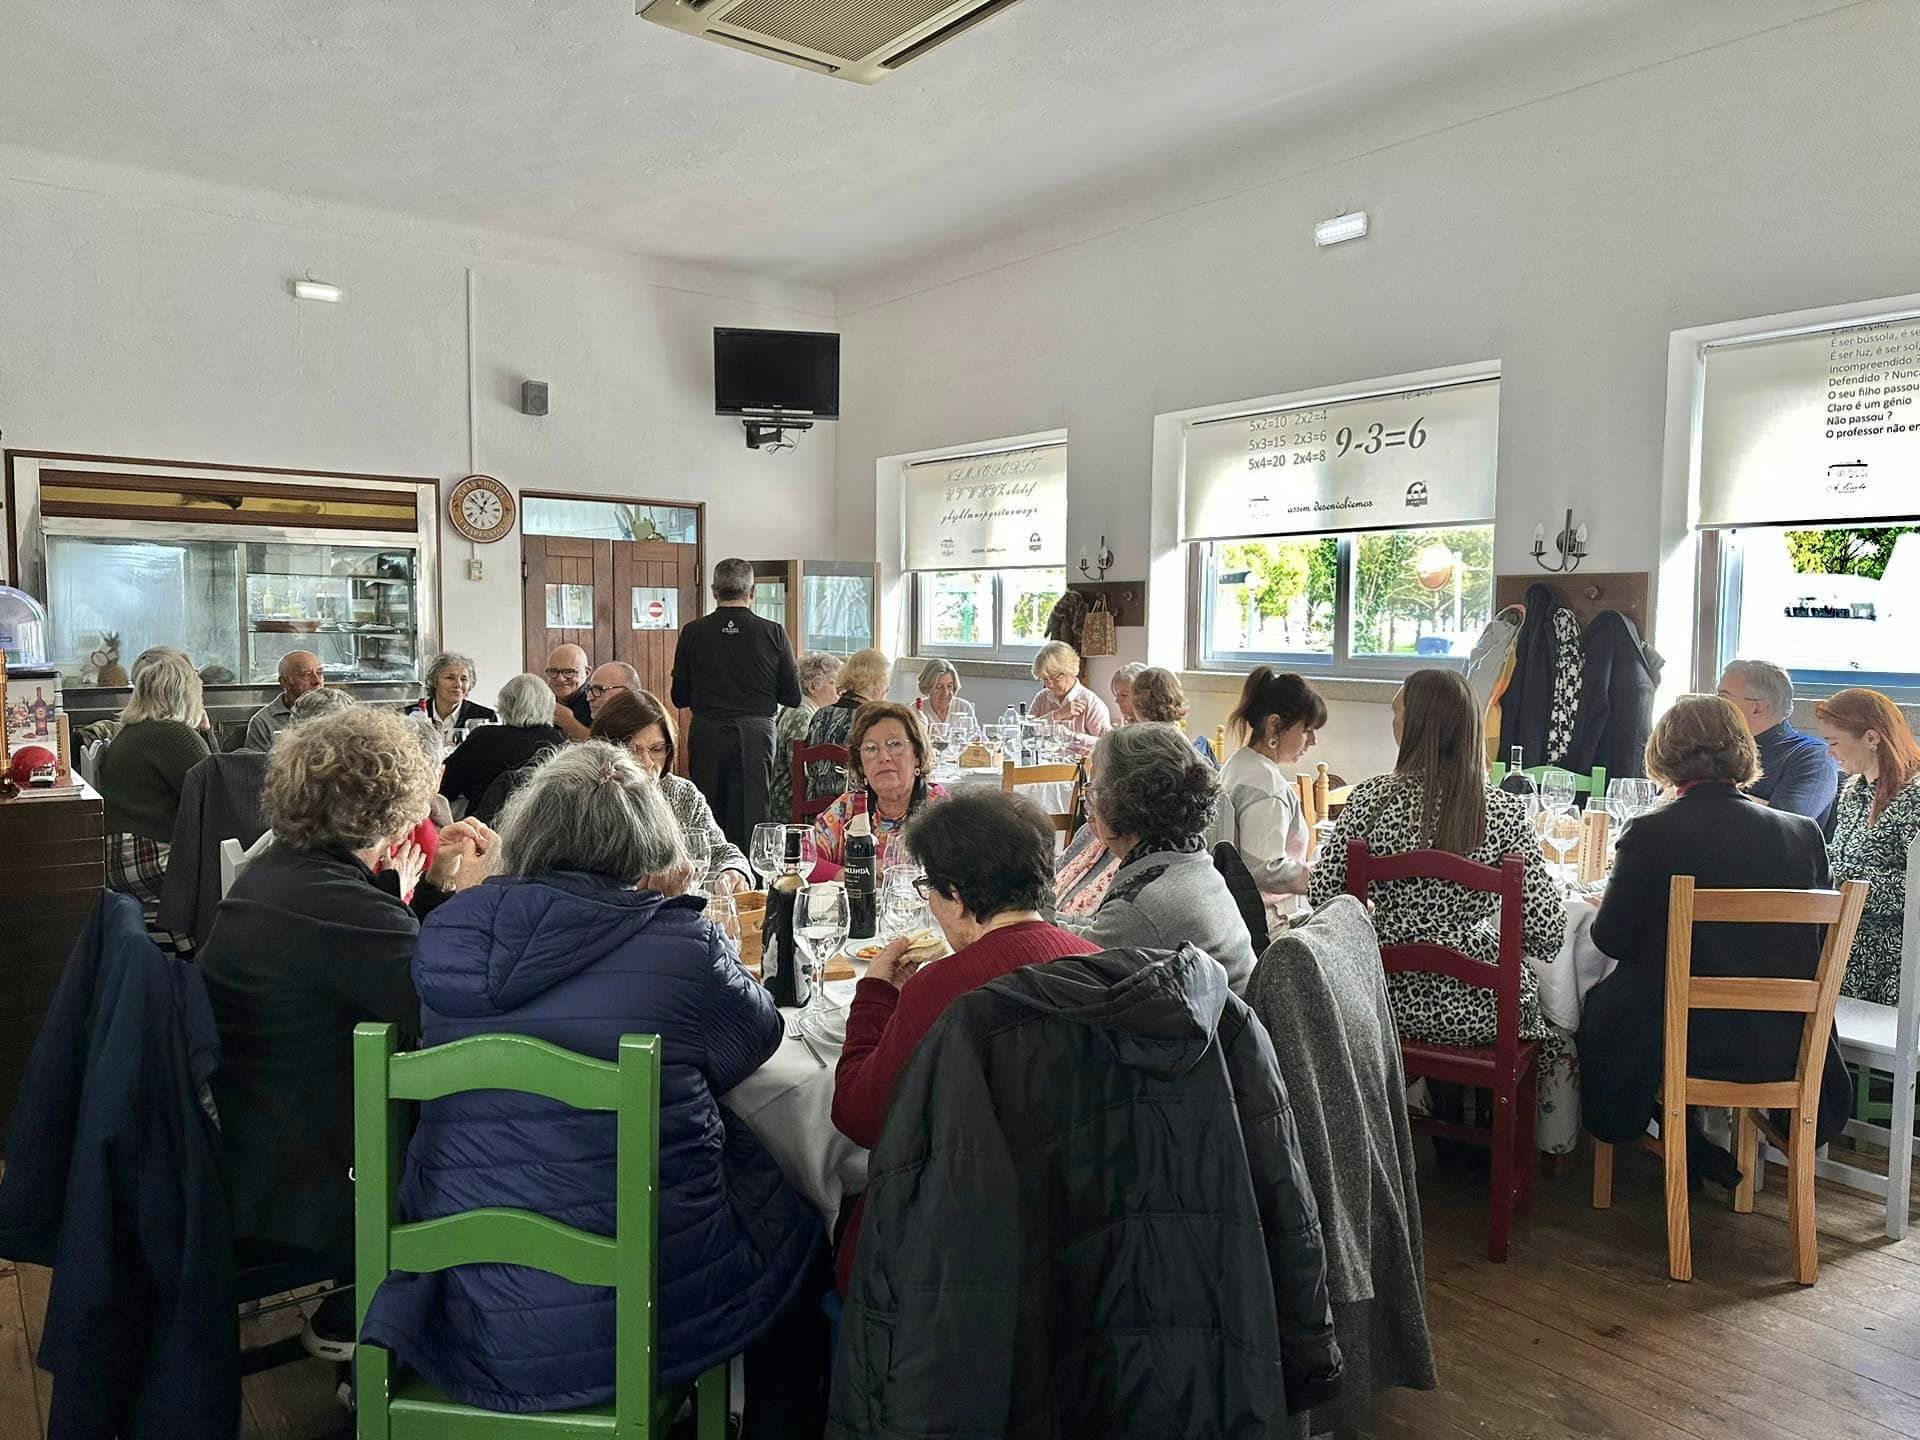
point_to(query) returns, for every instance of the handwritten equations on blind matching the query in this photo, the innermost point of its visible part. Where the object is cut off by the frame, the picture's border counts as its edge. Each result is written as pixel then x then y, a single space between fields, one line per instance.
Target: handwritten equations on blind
pixel 1399 461
pixel 988 512
pixel 1812 427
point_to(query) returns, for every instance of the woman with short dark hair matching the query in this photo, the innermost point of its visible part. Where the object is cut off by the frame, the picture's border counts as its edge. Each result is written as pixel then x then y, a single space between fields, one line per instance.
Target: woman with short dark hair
pixel 1152 805
pixel 1713 831
pixel 988 859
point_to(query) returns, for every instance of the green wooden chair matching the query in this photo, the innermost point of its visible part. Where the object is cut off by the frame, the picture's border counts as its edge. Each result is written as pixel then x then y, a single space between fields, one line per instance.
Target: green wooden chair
pixel 1588 785
pixel 396 1409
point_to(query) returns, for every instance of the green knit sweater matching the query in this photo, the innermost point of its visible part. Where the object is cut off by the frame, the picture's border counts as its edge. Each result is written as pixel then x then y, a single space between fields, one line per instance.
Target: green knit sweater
pixel 142 772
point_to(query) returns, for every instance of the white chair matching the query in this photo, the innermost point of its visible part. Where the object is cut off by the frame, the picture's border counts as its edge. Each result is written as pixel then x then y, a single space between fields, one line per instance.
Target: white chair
pixel 89 765
pixel 233 859
pixel 1884 1037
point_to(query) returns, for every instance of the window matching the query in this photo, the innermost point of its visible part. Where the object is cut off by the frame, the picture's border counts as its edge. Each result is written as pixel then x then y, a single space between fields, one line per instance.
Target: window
pixel 1808 512
pixel 985 614
pixel 1835 605
pixel 1372 602
pixel 1002 516
pixel 1346 533
pixel 609 519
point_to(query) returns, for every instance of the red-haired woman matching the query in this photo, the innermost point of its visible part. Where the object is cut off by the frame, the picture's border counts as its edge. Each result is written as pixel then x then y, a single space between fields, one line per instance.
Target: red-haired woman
pixel 1876 819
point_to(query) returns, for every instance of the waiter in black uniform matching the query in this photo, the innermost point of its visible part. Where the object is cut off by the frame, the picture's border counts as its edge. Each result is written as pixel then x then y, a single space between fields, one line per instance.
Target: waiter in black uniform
pixel 733 670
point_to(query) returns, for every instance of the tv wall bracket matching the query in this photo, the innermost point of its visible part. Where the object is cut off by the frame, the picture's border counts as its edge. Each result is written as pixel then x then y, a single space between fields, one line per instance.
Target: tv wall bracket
pixel 772 434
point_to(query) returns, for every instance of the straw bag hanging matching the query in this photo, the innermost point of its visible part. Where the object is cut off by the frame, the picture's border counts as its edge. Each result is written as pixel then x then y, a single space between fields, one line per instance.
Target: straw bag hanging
pixel 1097 635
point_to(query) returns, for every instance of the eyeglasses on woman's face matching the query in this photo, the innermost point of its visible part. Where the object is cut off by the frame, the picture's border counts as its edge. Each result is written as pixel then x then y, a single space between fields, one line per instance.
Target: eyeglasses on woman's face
pixel 924 886
pixel 883 749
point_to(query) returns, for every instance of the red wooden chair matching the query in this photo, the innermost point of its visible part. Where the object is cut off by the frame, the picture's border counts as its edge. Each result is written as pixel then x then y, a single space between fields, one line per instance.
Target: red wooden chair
pixel 1510 1067
pixel 803 808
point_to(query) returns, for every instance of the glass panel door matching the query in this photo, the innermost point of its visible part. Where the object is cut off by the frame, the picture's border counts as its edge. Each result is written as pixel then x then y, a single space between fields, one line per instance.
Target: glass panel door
pixel 837 606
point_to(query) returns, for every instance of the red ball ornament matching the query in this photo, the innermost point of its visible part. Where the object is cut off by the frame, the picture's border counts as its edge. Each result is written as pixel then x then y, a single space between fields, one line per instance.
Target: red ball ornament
pixel 27 760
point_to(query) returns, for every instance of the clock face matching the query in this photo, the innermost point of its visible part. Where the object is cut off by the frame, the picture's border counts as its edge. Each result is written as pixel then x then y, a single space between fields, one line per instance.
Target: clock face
pixel 481 508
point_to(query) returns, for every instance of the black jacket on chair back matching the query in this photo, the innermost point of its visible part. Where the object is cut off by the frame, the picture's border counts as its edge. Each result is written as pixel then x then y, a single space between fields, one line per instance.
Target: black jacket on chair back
pixel 1726 841
pixel 1088 1216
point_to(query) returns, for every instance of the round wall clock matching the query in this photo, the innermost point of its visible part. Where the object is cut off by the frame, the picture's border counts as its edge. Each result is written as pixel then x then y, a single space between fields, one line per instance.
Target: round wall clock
pixel 481 508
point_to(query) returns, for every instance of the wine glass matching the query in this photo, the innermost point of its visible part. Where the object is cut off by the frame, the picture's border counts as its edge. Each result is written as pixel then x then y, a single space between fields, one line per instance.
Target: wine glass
pixel 821 919
pixel 940 736
pixel 725 916
pixel 903 910
pixel 766 850
pixel 699 854
pixel 1559 831
pixel 1558 790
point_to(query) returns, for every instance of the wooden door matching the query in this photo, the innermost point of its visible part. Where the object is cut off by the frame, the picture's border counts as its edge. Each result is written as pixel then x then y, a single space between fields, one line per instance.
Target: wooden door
pixel 569 581
pixel 615 599
pixel 656 590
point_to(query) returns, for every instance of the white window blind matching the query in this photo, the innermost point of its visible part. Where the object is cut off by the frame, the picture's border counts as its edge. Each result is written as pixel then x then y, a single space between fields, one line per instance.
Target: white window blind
pixel 1001 511
pixel 1398 461
pixel 1812 428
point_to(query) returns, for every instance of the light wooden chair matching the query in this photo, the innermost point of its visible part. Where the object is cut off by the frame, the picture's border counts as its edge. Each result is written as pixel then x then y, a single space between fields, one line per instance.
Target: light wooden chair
pixel 1839 911
pixel 1013 776
pixel 1313 787
pixel 1885 1037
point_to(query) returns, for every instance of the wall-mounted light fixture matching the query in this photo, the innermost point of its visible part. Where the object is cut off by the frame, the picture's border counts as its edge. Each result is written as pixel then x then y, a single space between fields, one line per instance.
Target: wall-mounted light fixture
pixel 1350 226
pixel 312 289
pixel 1570 542
pixel 1102 561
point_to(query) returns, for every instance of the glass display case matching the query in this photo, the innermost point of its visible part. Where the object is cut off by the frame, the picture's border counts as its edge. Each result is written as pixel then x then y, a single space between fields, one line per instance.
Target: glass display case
pixel 236 606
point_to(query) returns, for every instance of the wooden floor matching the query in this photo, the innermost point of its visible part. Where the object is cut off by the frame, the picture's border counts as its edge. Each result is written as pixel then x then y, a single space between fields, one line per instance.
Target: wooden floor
pixel 1580 1336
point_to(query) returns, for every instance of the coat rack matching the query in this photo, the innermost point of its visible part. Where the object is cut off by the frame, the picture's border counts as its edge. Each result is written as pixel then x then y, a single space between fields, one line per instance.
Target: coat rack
pixel 1585 595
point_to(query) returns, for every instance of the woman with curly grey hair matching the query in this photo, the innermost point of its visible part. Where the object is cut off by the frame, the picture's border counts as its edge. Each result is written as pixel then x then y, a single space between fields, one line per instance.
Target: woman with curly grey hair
pixel 1152 806
pixel 451 676
pixel 312 939
pixel 580 940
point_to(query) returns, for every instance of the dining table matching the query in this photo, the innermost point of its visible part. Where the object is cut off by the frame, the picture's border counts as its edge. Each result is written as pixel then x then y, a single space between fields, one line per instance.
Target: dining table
pixel 788 1104
pixel 1053 797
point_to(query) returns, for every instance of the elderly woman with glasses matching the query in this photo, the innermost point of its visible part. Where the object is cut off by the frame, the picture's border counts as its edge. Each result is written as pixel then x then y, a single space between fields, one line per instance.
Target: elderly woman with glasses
pixel 988 859
pixel 582 938
pixel 887 763
pixel 637 720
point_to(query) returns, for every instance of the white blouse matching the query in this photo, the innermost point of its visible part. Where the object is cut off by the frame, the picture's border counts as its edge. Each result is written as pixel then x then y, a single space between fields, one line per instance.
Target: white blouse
pixel 1260 816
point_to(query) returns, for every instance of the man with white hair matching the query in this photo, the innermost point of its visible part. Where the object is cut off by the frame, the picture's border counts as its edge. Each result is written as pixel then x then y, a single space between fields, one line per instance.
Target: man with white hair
pixel 1797 773
pixel 300 671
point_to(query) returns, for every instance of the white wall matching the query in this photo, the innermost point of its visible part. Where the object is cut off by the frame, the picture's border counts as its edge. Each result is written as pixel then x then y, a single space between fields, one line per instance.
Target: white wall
pixel 1565 237
pixel 146 316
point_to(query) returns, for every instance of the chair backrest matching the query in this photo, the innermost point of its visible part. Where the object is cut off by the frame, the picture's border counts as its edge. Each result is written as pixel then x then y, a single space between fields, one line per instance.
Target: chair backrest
pixel 803 755
pixel 1592 783
pixel 89 765
pixel 1013 776
pixel 1838 910
pixel 1508 881
pixel 628 1261
pixel 1246 895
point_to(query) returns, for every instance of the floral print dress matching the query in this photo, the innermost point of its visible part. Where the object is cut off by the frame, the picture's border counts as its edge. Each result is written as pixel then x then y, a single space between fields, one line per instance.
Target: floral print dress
pixel 1863 848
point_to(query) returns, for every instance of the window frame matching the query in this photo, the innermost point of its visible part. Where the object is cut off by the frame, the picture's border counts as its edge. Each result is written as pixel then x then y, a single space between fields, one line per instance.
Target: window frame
pixel 1341 663
pixel 1000 652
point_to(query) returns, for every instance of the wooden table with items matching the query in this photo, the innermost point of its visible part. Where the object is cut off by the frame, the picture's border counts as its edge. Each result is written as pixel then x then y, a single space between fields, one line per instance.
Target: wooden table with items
pixel 56 867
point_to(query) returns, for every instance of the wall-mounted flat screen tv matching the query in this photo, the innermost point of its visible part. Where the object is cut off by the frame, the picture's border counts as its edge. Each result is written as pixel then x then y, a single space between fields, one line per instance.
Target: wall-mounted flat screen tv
pixel 776 372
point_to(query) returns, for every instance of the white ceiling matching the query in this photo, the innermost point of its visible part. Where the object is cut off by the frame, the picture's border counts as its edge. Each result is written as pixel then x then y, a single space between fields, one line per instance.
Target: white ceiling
pixel 575 119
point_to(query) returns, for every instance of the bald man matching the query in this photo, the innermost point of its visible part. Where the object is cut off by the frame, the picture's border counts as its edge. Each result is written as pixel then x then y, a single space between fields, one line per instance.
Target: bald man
pixel 611 679
pixel 300 671
pixel 567 669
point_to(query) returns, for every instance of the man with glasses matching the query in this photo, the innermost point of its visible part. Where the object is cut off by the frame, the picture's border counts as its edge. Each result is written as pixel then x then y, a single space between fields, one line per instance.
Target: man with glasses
pixel 1797 773
pixel 566 674
pixel 611 679
pixel 733 669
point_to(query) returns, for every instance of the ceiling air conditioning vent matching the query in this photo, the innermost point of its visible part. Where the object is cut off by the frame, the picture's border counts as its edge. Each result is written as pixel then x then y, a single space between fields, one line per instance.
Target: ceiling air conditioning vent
pixel 863 40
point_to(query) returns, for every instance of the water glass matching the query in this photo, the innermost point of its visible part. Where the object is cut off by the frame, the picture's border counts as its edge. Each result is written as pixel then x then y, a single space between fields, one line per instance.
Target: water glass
pixel 1558 790
pixel 821 919
pixel 765 849
pixel 725 916
pixel 699 854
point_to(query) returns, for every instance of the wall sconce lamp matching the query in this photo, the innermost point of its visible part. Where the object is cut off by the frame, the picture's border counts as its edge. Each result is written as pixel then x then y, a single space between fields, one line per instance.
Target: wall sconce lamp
pixel 1570 542
pixel 1102 561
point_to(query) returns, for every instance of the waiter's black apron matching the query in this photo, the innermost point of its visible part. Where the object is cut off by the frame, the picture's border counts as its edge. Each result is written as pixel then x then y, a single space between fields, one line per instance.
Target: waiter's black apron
pixel 731 762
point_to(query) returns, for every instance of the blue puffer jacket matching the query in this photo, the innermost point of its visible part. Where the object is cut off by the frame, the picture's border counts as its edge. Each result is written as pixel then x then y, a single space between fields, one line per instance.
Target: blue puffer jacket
pixel 579 961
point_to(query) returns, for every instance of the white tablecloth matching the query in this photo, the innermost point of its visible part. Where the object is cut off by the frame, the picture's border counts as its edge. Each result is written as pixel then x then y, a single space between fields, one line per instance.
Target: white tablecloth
pixel 1578 967
pixel 1054 798
pixel 788 1103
